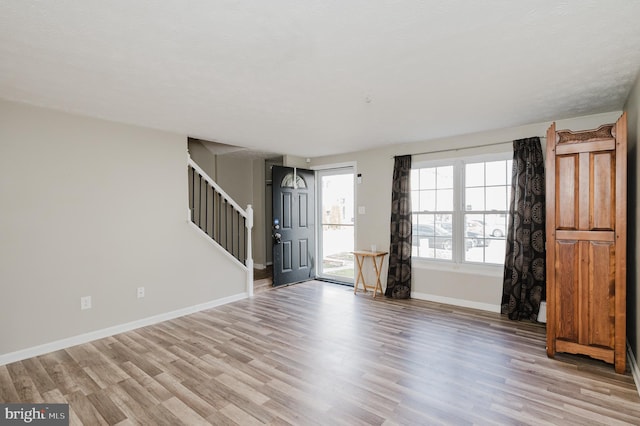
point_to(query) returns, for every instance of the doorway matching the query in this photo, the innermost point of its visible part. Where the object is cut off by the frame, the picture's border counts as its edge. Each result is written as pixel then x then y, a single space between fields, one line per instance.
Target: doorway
pixel 336 231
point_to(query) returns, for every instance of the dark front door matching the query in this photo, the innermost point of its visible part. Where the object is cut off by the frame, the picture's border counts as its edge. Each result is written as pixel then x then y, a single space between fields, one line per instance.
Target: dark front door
pixel 293 225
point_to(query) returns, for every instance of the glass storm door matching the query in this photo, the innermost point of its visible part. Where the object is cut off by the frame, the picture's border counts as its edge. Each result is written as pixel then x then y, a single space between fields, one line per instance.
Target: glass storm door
pixel 337 230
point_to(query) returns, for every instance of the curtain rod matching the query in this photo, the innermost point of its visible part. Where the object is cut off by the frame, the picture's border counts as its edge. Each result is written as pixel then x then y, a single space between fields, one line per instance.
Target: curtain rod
pixel 467 147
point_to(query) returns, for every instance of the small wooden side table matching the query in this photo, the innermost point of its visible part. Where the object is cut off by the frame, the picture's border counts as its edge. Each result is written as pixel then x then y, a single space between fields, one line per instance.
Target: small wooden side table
pixel 360 256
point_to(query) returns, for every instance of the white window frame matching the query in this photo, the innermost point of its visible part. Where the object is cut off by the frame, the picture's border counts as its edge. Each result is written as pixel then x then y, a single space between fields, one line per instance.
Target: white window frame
pixel 458 253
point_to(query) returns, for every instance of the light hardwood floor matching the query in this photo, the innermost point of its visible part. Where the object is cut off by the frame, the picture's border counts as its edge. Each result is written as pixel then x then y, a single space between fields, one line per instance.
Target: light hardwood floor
pixel 314 353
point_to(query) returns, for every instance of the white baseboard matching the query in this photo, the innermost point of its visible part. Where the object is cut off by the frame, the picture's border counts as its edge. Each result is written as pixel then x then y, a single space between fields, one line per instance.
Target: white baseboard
pixel 259 266
pixel 110 331
pixel 456 302
pixel 633 366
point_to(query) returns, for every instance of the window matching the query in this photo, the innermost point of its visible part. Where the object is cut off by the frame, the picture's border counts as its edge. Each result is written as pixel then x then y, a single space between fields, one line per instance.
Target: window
pixel 460 209
pixel 432 208
pixel 289 181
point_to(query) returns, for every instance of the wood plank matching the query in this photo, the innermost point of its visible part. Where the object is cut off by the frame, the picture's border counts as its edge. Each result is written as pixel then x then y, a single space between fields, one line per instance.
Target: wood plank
pixel 156 389
pixel 621 244
pixel 238 416
pixel 184 394
pixel 567 294
pixel 105 406
pixel 39 375
pixel 567 213
pixel 85 410
pixel 601 300
pixel 592 351
pixel 8 391
pixel 55 367
pixel 26 389
pixel 581 147
pixel 602 204
pixel 583 185
pixel 550 219
pixel 183 412
pixel 582 287
pixel 586 235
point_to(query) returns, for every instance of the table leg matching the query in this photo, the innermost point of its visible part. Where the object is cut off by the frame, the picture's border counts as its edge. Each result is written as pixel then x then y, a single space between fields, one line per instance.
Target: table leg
pixel 378 271
pixel 360 261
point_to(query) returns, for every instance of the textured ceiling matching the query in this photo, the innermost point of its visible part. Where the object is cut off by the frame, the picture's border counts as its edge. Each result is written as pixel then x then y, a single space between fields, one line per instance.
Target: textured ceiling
pixel 319 77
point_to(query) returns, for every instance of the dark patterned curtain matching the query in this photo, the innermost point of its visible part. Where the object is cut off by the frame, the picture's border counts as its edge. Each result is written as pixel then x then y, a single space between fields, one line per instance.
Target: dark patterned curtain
pixel 399 277
pixel 524 266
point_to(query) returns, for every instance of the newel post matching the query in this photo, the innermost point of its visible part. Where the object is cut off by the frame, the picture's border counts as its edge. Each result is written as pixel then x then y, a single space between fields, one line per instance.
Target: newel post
pixel 249 261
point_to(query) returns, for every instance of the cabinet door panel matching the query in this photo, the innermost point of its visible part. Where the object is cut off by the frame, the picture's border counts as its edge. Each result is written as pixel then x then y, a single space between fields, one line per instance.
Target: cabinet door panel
pixel 602 191
pixel 567 192
pixel 601 281
pixel 567 291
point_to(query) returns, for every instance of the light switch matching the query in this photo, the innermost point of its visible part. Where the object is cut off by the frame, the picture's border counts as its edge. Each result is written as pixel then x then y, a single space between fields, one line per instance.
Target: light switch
pixel 361 210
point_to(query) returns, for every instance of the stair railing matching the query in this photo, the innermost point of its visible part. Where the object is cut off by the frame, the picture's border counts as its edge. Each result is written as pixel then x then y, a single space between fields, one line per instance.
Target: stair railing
pixel 218 216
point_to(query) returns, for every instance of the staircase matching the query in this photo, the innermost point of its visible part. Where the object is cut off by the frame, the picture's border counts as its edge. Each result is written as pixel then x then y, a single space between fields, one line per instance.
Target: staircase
pixel 262 280
pixel 215 214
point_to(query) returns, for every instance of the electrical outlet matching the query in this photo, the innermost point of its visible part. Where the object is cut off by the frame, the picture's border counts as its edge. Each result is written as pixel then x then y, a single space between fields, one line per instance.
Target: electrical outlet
pixel 85 302
pixel 140 292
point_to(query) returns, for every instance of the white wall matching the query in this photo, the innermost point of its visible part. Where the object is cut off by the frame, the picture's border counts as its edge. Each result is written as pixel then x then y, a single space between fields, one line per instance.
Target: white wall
pixel 89 207
pixel 633 220
pixel 235 176
pixel 203 157
pixel 293 161
pixel 474 286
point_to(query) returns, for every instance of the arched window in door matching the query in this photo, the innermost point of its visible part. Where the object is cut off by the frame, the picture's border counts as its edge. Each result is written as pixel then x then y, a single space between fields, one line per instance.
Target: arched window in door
pixel 293 180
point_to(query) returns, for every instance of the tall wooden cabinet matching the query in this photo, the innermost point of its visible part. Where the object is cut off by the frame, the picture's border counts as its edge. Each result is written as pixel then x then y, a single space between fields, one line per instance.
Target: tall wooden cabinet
pixel 586 175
